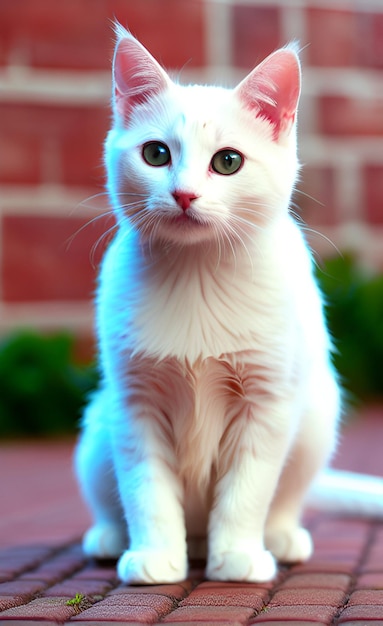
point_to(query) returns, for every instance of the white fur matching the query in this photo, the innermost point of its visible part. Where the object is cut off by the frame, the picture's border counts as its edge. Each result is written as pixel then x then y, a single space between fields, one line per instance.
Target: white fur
pixel 219 403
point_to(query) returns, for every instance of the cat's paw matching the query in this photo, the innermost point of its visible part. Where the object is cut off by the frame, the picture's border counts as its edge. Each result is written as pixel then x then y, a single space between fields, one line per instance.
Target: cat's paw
pixel 105 541
pixel 290 545
pixel 152 567
pixel 253 566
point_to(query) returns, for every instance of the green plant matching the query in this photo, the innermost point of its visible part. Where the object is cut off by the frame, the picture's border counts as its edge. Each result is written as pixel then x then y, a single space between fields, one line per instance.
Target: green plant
pixel 41 389
pixel 76 600
pixel 355 318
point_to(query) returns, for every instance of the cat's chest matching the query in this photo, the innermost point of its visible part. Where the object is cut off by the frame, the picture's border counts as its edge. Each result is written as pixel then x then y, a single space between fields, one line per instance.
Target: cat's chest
pixel 188 307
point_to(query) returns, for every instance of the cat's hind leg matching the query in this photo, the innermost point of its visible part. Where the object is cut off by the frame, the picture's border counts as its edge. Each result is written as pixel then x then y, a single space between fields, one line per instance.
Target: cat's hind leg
pixel 107 537
pixel 284 535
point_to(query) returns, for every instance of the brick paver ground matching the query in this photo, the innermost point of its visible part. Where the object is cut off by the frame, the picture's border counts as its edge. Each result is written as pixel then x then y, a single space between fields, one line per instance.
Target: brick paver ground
pixel 45 579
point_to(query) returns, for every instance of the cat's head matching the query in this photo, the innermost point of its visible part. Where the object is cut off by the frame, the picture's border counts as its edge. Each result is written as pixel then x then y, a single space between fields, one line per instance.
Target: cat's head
pixel 197 163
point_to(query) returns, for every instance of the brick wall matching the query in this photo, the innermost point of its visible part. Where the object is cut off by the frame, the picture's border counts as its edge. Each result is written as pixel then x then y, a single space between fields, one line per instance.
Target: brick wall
pixel 54 114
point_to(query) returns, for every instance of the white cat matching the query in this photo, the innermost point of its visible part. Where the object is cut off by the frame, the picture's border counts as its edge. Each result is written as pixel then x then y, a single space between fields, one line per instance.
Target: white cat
pixel 219 403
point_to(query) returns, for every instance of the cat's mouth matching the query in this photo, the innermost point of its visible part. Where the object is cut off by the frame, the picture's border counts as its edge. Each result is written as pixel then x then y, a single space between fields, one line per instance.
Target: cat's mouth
pixel 186 218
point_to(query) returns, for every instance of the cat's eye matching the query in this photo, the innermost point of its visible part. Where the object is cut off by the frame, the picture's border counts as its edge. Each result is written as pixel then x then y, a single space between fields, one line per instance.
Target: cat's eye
pixel 156 153
pixel 226 162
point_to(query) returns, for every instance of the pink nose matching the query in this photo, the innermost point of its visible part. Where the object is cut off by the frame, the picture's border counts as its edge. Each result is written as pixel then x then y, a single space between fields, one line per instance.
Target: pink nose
pixel 184 198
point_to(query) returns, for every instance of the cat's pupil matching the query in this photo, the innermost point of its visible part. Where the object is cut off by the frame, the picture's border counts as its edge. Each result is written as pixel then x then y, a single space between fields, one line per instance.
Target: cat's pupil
pixel 226 162
pixel 156 153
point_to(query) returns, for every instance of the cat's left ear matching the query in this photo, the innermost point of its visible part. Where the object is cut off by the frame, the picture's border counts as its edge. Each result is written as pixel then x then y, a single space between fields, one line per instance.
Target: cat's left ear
pixel 272 90
pixel 136 74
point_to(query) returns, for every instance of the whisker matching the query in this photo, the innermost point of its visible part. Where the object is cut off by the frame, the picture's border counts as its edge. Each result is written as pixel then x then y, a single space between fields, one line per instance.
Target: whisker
pixel 307 229
pixel 70 239
pixel 100 240
pixel 307 195
pixel 238 237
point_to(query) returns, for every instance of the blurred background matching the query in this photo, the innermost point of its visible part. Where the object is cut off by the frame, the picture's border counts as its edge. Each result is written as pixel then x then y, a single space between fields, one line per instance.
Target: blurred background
pixel 55 86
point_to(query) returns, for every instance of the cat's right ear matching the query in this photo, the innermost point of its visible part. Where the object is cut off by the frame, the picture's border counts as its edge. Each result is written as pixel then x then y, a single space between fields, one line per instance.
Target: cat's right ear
pixel 136 74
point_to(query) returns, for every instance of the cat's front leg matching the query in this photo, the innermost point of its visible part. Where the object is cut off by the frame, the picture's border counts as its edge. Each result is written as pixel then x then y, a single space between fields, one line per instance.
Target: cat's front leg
pixel 152 500
pixel 253 453
pixel 150 490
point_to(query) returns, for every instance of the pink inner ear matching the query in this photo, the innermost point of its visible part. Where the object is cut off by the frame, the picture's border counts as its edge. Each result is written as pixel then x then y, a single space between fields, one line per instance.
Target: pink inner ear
pixel 137 76
pixel 272 90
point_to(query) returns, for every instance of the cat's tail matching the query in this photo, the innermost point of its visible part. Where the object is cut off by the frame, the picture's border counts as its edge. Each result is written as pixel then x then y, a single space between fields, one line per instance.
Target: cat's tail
pixel 347 493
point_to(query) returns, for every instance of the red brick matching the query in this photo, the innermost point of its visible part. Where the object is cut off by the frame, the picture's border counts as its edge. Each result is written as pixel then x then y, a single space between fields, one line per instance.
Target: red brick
pixel 61 565
pixel 342 532
pixel 341 116
pixel 330 566
pixel 341 35
pixel 308 597
pixel 173 31
pixel 41 261
pixel 247 597
pixel 256 33
pixel 370 39
pixel 367 596
pixel 378 537
pixel 375 622
pixel 224 587
pixel 209 614
pixel 69 588
pixel 362 612
pixel 40 609
pixel 67 35
pixel 160 603
pixel 299 613
pixel 292 622
pixel 13 562
pixel 23 588
pixel 106 612
pixel 78 35
pixel 317 581
pixel 370 581
pixel 19 157
pixel 52 143
pixel 27 622
pixel 132 606
pixel 314 198
pixel 7 602
pixel 174 592
pixel 373 193
pixel 94 572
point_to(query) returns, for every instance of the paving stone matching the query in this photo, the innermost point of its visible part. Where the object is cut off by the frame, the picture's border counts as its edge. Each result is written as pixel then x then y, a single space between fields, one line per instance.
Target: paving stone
pixel 150 607
pixel 7 602
pixel 23 588
pixel 317 581
pixel 94 572
pixel 217 584
pixel 362 622
pixel 102 612
pixel 254 598
pixel 372 580
pixel 321 614
pixel 54 609
pixel 69 588
pixel 197 622
pixel 307 597
pixel 366 612
pixel 59 567
pixel 290 622
pixel 367 596
pixel 326 566
pixel 176 591
pixel 209 614
pixel 29 622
